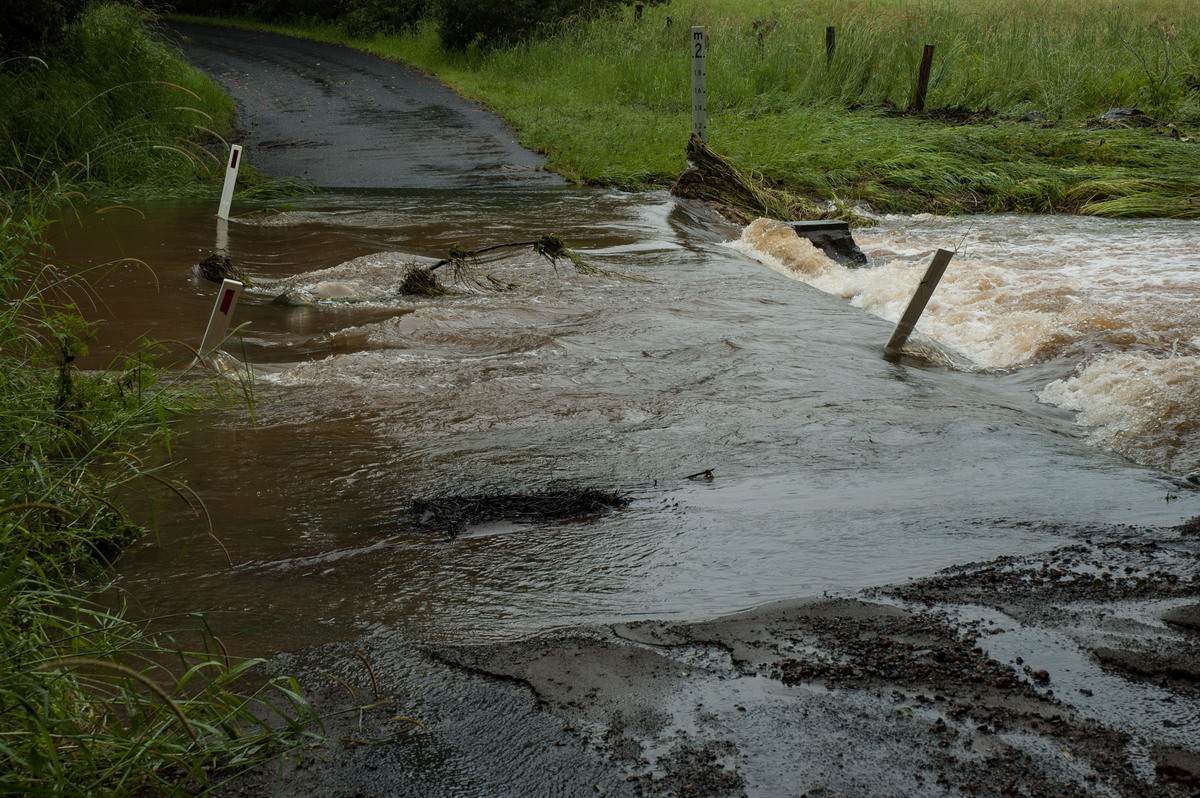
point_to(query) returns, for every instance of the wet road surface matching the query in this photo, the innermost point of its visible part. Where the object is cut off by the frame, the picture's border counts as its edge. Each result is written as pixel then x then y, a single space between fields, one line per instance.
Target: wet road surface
pixel 345 119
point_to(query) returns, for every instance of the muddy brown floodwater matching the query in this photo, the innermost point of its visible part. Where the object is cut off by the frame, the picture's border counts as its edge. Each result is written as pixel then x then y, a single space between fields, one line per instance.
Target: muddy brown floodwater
pixel 782 625
pixel 834 473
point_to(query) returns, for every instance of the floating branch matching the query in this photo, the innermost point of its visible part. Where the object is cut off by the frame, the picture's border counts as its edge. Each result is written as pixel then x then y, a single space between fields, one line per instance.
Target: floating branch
pixel 420 280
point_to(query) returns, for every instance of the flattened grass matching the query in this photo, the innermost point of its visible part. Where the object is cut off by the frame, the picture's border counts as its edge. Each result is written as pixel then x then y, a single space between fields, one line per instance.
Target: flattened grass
pixel 607 100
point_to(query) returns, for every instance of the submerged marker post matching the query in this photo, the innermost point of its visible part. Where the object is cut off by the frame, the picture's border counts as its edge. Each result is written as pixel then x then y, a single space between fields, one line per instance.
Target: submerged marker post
pixel 222 235
pixel 231 172
pixel 222 312
pixel 916 305
pixel 699 84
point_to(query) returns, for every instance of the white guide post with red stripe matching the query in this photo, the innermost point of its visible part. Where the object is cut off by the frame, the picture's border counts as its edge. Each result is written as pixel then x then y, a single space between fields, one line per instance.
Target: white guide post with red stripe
pixel 231 172
pixel 222 312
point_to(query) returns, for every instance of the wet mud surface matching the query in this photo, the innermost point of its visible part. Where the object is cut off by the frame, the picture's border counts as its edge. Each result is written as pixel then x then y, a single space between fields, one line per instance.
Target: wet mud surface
pixel 341 118
pixel 1067 672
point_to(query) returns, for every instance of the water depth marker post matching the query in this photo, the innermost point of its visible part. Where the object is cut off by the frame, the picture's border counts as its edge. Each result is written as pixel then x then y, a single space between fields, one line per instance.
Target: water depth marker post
pixel 222 312
pixel 916 305
pixel 699 84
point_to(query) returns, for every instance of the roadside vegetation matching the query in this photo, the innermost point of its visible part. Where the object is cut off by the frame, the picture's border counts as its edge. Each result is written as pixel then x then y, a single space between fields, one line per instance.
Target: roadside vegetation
pixel 104 108
pixel 93 702
pixel 1013 120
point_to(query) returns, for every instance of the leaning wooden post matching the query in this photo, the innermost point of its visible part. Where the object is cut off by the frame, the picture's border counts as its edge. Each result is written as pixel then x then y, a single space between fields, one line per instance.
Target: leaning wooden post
pixel 916 305
pixel 699 84
pixel 918 101
pixel 830 44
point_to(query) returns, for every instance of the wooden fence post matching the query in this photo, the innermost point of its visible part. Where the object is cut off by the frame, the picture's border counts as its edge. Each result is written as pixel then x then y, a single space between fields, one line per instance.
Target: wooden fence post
pixel 918 101
pixel 830 44
pixel 916 305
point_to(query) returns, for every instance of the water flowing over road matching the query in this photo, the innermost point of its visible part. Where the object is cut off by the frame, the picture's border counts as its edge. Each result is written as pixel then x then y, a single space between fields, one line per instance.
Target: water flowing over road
pixel 833 469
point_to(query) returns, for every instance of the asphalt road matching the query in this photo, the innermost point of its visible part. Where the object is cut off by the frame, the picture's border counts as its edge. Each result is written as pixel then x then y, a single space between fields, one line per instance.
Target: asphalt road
pixel 346 119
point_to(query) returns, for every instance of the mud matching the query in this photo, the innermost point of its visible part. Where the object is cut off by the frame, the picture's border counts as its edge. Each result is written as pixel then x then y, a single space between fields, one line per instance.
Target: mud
pixel 996 678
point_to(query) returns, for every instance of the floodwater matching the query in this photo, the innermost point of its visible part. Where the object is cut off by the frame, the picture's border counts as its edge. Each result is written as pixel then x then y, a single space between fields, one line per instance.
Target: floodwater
pixel 834 469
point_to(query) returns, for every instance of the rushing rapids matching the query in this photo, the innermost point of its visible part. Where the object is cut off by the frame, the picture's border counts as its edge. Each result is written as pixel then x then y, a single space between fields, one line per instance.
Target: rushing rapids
pixel 1109 309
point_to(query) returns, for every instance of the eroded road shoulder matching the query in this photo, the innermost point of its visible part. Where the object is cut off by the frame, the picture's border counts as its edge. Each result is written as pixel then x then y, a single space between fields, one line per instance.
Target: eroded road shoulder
pixel 342 118
pixel 992 678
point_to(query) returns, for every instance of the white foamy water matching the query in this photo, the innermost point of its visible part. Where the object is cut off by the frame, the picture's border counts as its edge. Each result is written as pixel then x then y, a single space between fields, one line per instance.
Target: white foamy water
pixel 365 278
pixel 1112 305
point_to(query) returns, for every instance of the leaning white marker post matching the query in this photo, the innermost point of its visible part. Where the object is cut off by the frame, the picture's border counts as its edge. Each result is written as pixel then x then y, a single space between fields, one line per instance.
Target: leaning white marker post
pixel 916 306
pixel 231 171
pixel 699 84
pixel 222 312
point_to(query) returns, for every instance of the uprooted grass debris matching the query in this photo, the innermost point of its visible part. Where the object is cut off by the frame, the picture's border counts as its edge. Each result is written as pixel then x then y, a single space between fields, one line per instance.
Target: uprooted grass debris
pixel 451 515
pixel 420 280
pixel 740 196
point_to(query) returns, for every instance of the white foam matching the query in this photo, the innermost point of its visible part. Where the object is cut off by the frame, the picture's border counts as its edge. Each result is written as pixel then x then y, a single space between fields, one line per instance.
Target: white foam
pixel 1138 405
pixel 976 310
pixel 370 276
pixel 1021 290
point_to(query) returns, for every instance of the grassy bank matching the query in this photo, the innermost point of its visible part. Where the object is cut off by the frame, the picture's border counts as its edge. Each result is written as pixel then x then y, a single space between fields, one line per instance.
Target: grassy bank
pixel 92 702
pixel 108 109
pixel 1016 91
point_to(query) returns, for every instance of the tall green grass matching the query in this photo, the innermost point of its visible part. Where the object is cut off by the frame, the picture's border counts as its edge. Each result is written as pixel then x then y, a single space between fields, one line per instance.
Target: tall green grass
pixel 91 702
pixel 110 107
pixel 607 99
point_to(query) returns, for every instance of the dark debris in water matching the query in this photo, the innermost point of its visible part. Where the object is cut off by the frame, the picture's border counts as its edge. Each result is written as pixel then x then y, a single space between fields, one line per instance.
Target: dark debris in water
pixel 421 281
pixel 451 515
pixel 217 267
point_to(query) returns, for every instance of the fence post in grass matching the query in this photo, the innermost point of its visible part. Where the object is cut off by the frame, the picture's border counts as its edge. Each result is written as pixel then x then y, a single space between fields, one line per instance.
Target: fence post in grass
pixel 916 305
pixel 699 84
pixel 231 172
pixel 830 44
pixel 222 312
pixel 918 101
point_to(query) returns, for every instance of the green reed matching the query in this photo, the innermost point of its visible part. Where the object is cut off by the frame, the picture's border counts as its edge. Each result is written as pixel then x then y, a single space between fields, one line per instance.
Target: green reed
pixel 90 701
pixel 112 106
pixel 607 100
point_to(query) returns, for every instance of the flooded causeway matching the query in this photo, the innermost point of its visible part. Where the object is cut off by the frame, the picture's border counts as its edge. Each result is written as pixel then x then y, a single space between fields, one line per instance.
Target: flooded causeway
pixel 833 469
